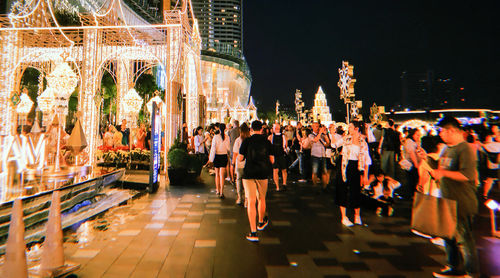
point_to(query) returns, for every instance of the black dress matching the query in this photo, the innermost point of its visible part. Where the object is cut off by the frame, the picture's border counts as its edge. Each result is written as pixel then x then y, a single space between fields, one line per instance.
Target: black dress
pixel 348 193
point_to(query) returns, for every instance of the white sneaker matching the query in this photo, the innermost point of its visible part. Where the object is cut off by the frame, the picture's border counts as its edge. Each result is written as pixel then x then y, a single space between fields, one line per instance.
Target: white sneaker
pixel 346 222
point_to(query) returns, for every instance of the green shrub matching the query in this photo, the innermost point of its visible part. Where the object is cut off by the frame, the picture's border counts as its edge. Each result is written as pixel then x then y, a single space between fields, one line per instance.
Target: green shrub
pixel 178 158
pixel 194 163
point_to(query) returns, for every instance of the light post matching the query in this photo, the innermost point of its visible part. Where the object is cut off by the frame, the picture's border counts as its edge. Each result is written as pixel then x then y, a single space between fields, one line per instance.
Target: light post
pixel 346 85
pixel 493 206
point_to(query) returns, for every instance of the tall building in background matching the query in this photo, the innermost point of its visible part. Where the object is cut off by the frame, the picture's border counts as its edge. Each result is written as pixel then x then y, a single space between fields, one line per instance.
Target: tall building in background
pixel 225 73
pixel 221 24
pixel 430 91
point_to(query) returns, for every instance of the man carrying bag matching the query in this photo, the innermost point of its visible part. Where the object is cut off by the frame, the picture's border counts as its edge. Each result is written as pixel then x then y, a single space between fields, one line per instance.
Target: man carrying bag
pixel 457 175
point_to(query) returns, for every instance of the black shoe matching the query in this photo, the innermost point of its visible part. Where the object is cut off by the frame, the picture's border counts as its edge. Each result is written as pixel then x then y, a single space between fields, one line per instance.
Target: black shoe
pixel 222 196
pixel 263 225
pixel 252 236
pixel 449 273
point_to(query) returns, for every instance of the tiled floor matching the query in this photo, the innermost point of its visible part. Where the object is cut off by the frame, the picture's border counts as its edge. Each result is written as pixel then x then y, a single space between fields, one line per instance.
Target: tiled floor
pixel 189 232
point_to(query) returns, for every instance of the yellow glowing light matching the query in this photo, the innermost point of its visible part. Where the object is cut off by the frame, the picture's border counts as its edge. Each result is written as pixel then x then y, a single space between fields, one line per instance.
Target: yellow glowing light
pixel 132 102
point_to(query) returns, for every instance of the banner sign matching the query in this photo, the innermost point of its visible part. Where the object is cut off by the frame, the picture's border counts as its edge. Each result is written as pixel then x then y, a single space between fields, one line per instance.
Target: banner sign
pixel 154 165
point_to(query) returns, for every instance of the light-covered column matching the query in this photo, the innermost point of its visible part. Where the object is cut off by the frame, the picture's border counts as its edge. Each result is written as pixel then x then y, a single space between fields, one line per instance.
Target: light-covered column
pixel 8 63
pixel 123 72
pixel 89 112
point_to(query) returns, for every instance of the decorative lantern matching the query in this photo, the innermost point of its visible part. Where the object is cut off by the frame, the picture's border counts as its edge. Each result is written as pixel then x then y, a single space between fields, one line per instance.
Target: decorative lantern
pixel 132 104
pixel 63 79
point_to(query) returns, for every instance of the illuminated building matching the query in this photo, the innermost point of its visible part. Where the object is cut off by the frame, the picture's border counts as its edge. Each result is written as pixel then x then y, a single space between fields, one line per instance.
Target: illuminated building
pixel 224 69
pixel 320 110
pixel 221 23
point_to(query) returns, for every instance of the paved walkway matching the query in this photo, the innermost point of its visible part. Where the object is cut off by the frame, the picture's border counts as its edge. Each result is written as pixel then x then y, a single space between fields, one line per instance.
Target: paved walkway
pixel 189 232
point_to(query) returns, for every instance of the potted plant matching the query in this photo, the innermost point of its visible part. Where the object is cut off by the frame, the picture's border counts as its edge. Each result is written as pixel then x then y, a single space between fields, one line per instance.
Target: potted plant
pixel 194 167
pixel 177 170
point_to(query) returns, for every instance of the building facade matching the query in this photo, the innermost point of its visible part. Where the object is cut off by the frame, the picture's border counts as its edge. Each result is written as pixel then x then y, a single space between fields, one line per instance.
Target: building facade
pixel 221 23
pixel 226 78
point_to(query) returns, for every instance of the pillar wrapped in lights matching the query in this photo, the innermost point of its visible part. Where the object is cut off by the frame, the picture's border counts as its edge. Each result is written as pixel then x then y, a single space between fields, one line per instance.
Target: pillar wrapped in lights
pixel 132 104
pixel 23 108
pixel 46 102
pixel 63 80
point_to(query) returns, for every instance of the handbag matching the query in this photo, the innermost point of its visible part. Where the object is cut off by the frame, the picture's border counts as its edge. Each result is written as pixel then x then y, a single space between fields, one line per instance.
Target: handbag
pixel 405 164
pixel 434 216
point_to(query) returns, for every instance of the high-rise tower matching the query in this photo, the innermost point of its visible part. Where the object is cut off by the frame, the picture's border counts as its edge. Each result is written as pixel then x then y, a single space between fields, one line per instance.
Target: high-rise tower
pixel 221 24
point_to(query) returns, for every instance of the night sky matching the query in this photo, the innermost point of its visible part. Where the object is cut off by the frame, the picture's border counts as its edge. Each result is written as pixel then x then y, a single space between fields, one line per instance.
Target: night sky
pixel 292 44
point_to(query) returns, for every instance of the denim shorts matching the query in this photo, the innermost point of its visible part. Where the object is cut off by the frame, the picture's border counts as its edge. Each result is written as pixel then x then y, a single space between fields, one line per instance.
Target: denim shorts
pixel 318 165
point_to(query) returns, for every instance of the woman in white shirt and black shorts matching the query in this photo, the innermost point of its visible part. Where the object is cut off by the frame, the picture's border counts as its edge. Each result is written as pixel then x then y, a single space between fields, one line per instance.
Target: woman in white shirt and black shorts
pixel 219 157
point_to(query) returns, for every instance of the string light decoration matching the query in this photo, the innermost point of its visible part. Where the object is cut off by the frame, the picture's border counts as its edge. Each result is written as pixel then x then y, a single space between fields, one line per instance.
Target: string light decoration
pixel 346 85
pixel 31 35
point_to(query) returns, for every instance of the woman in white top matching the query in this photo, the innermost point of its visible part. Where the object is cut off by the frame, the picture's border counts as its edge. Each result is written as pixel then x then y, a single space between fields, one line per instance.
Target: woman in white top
pixel 355 163
pixel 218 156
pixel 244 134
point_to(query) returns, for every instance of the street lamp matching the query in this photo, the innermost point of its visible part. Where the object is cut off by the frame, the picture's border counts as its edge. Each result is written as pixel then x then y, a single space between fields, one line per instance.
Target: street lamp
pixel 493 206
pixel 346 85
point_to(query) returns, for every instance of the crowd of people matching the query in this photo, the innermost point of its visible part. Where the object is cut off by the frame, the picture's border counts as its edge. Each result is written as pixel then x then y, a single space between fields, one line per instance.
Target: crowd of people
pixel 364 166
pixel 123 137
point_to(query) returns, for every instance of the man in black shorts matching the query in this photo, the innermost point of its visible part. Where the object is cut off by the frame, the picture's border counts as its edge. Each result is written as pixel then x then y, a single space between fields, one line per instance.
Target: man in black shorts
pixel 279 147
pixel 257 153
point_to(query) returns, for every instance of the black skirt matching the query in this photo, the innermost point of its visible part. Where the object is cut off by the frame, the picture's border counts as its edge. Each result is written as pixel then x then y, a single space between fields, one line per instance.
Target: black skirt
pixel 220 161
pixel 348 193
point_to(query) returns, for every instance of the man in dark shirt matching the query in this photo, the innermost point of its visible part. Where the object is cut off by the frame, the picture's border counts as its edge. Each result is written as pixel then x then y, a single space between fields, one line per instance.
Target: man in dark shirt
pixel 458 177
pixel 257 153
pixel 388 148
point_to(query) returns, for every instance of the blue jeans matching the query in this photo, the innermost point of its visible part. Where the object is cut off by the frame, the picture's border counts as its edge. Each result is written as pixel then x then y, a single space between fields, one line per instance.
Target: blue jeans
pixel 318 165
pixel 469 262
pixel 299 161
